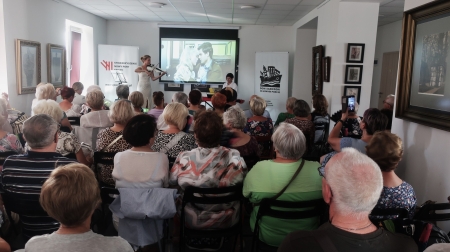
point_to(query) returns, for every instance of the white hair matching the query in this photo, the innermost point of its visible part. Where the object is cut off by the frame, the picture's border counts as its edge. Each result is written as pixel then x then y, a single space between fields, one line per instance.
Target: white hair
pixel 93 88
pixel 39 131
pixel 289 141
pixel 180 97
pixel 3 111
pixel 390 99
pixel 49 107
pixel 355 181
pixel 235 116
pixel 46 91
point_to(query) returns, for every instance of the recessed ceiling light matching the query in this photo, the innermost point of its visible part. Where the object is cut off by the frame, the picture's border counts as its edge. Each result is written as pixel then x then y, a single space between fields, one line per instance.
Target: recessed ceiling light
pixel 248 7
pixel 156 5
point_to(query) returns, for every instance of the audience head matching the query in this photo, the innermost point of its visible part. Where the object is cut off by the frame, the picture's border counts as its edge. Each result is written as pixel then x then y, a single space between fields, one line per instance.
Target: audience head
pixel 46 91
pixel 40 131
pixel 234 118
pixel 123 91
pixel 195 97
pixel 373 121
pixel 38 91
pixel 95 99
pixel 180 97
pixel 49 107
pixel 121 112
pixel 207 128
pixel 301 108
pixel 389 114
pixel 388 103
pixel 228 94
pixel 385 149
pixel 71 194
pixel 93 88
pixel 320 104
pixel 137 99
pixel 289 141
pixel 290 102
pixel 140 130
pixel 352 184
pixel 78 87
pixel 257 105
pixel 175 114
pixel 67 93
pixel 219 101
pixel 158 98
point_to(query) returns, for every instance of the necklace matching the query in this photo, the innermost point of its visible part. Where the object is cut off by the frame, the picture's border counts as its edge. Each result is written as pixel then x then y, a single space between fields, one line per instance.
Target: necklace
pixel 352 229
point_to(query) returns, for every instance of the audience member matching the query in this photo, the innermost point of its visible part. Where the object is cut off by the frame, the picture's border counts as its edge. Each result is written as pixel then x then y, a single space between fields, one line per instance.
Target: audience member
pixel 137 100
pixel 249 112
pixel 158 100
pixel 70 195
pixel 182 98
pixel 269 177
pixel 351 125
pixel 23 175
pixel 388 103
pixel 71 110
pixel 290 111
pixel 36 95
pixel 195 100
pixel 389 114
pixel 78 99
pixel 351 185
pixel 386 150
pixel 5 126
pixel 122 92
pixel 320 117
pixel 8 141
pixel 219 101
pixel 302 120
pixel 111 140
pixel 85 107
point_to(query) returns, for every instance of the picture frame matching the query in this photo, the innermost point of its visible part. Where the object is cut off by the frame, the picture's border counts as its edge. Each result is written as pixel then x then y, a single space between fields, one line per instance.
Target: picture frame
pixel 353 90
pixel 173 87
pixel 317 75
pixel 201 87
pixel 28 65
pixel 326 69
pixel 355 53
pixel 423 87
pixel 353 74
pixel 56 65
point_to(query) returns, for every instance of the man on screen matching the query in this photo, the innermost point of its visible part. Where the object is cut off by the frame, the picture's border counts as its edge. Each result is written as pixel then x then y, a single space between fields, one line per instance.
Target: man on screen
pixel 208 69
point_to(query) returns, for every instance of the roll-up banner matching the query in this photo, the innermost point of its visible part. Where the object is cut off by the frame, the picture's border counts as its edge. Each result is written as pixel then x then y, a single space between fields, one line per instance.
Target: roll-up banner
pixel 271 80
pixel 116 65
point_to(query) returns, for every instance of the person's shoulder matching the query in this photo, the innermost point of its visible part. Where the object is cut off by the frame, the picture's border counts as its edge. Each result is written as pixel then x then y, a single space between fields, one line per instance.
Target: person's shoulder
pixel 37 241
pixel 300 239
pixel 399 241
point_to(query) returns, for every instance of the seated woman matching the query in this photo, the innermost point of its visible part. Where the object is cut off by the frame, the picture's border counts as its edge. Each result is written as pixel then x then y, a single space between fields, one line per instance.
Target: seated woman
pixel 158 100
pixel 234 121
pixel 70 195
pixel 150 169
pixel 351 127
pixel 219 101
pixel 302 120
pixel 8 142
pixel 173 140
pixel 268 178
pixel 290 111
pixel 68 94
pixel 320 118
pixel 122 92
pixel 386 150
pixel 68 143
pixel 111 140
pixel 137 100
pixel 195 98
pixel 79 99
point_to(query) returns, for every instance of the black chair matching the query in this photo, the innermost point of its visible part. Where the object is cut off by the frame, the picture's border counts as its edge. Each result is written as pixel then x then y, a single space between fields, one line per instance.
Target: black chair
pixel 74 120
pixel 287 210
pixel 103 158
pixel 379 214
pixel 428 212
pixel 5 155
pixel 195 195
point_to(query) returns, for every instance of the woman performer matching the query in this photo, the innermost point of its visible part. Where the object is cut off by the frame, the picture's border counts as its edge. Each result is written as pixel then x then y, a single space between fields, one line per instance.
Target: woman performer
pixel 144 85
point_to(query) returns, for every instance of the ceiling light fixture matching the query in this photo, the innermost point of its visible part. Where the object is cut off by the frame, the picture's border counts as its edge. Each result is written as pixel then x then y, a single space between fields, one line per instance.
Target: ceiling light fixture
pixel 156 5
pixel 248 7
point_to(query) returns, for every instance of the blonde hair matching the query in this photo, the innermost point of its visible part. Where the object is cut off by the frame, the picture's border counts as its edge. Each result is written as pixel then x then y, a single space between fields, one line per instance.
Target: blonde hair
pixel 386 149
pixel 49 107
pixel 46 91
pixel 145 57
pixel 290 102
pixel 257 105
pixel 120 112
pixel 70 194
pixel 137 99
pixel 95 99
pixel 175 114
pixel 3 111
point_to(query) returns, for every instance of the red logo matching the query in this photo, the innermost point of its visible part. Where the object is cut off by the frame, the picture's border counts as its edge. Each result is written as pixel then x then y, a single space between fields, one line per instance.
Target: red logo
pixel 108 65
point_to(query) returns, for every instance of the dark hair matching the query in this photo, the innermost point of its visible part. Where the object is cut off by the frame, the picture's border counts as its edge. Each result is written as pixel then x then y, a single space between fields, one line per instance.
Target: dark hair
pixel 67 92
pixel 320 104
pixel 195 97
pixel 139 130
pixel 374 120
pixel 388 113
pixel 301 108
pixel 206 48
pixel 208 129
pixel 228 94
pixel 219 101
pixel 230 75
pixel 158 97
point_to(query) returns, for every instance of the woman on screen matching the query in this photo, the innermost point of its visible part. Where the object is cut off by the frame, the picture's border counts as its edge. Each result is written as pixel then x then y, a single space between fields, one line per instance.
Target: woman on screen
pixel 185 69
pixel 144 85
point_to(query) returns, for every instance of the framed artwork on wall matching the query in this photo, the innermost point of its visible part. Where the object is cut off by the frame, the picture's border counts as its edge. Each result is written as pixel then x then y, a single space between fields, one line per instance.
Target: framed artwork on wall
pixel 353 90
pixel 326 69
pixel 56 65
pixel 28 65
pixel 173 87
pixel 423 89
pixel 355 53
pixel 353 74
pixel 317 75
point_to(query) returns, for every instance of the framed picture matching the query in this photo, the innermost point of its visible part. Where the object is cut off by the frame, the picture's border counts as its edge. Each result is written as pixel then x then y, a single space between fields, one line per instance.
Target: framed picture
pixel 326 69
pixel 201 87
pixel 353 74
pixel 317 75
pixel 352 90
pixel 56 65
pixel 355 53
pixel 422 92
pixel 173 87
pixel 28 65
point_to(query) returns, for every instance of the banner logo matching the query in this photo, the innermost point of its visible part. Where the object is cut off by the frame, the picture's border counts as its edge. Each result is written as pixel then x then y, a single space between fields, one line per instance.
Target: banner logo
pixel 108 65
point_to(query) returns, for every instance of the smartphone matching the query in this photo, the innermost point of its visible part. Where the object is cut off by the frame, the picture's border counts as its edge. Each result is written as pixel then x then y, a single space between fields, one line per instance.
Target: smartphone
pixel 351 103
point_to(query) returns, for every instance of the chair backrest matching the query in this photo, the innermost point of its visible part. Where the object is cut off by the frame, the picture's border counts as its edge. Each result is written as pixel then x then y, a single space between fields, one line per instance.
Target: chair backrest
pixel 379 214
pixel 88 135
pixel 74 120
pixel 263 140
pixel 428 212
pixel 6 154
pixel 289 209
pixel 103 158
pixel 105 192
pixel 212 196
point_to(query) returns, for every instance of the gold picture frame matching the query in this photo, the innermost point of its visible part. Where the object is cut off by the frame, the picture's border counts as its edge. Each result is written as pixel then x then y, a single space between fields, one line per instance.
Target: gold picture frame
pixel 56 65
pixel 28 65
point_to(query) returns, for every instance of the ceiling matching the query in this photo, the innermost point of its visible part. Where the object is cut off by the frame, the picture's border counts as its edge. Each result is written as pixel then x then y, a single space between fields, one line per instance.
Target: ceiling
pixel 268 12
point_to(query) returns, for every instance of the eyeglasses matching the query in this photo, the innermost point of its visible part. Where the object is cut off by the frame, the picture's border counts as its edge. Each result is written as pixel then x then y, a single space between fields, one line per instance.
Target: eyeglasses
pixel 321 170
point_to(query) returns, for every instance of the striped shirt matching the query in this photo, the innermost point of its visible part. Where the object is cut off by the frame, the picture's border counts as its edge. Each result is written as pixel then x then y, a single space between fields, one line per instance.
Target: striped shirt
pixel 22 179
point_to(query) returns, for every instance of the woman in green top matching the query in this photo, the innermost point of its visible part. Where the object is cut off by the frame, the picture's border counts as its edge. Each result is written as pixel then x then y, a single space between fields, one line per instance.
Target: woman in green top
pixel 290 111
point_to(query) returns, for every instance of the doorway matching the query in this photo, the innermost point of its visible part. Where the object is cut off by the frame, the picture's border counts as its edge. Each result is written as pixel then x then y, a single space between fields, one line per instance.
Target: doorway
pixel 388 76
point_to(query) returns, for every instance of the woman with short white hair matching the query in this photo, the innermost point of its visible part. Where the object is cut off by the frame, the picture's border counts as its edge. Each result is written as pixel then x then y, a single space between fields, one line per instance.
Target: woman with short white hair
pixel 8 142
pixel 267 178
pixel 78 99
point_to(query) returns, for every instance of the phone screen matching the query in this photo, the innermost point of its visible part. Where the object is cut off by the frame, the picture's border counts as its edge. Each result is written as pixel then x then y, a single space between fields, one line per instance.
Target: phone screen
pixel 351 104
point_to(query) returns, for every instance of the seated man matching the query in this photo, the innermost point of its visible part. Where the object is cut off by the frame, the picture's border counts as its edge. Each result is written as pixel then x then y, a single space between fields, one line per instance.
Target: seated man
pixel 23 175
pixel 351 185
pixel 249 113
pixel 70 195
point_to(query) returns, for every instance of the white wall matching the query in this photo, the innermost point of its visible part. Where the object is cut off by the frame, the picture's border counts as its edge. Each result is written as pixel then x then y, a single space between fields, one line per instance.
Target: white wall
pixel 42 21
pixel 425 160
pixel 388 40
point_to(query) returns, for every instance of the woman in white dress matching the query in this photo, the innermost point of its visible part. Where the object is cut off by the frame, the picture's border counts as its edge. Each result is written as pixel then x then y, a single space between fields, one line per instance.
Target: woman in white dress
pixel 144 85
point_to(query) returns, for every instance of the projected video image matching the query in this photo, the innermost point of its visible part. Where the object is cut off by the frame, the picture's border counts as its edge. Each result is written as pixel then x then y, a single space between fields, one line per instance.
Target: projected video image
pixel 197 61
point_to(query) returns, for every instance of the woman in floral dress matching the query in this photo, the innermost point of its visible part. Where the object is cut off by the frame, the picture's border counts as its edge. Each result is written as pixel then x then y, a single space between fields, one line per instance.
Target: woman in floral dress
pixel 258 125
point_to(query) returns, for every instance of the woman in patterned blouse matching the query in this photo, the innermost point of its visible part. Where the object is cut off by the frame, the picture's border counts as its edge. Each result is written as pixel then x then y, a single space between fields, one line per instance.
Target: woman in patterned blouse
pixel 386 150
pixel 8 142
pixel 302 120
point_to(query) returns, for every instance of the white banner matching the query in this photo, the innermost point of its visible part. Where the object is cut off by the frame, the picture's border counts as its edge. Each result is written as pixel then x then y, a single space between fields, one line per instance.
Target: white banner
pixel 116 65
pixel 271 80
